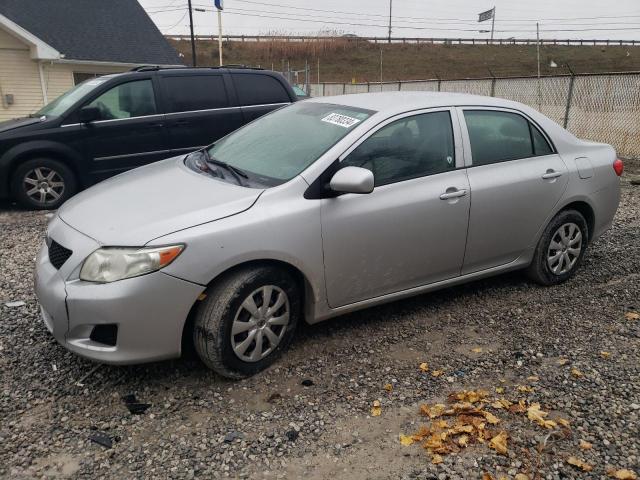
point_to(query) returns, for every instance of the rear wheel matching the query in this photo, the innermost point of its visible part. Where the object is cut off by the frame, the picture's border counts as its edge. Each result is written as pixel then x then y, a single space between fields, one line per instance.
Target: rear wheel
pixel 246 321
pixel 560 249
pixel 42 183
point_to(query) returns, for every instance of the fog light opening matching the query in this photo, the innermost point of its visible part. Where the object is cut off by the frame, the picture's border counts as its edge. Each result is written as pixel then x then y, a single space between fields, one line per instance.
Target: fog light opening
pixel 106 334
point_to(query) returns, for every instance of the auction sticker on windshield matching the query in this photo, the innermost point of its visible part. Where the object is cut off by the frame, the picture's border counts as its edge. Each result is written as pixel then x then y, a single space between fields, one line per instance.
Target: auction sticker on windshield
pixel 340 120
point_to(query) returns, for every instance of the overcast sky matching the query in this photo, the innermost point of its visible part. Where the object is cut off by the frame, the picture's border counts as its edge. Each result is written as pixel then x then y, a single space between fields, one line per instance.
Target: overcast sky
pixel 619 19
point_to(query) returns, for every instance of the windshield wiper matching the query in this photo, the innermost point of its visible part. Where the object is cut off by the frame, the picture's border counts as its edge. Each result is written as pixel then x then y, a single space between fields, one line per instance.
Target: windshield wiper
pixel 237 173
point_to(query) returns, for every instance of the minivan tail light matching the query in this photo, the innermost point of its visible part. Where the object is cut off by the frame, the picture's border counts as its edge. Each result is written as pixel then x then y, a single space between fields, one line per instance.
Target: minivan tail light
pixel 618 166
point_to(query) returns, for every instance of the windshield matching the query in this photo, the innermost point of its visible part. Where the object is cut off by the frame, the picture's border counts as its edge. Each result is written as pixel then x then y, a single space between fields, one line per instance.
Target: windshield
pixel 277 147
pixel 61 104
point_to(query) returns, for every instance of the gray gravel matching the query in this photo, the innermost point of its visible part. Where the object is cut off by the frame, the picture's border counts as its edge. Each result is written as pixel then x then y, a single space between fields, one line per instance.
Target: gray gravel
pixel 272 426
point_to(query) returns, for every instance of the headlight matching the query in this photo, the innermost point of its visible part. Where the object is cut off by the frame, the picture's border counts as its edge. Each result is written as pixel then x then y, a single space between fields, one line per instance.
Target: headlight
pixel 112 263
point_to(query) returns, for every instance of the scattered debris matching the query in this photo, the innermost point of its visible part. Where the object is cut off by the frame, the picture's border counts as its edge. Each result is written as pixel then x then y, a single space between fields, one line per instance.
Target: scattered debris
pixel 292 435
pixel 101 438
pixel 135 407
pixel 376 409
pixel 273 397
pixel 18 303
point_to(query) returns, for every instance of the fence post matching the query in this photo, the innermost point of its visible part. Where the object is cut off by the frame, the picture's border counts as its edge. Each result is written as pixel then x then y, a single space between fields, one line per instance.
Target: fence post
pixel 439 84
pixel 493 87
pixel 368 87
pixel 344 88
pixel 569 98
pixel 399 85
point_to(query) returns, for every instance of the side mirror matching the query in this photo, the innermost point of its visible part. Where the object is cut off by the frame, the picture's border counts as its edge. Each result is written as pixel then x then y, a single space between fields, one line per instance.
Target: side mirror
pixel 352 180
pixel 89 114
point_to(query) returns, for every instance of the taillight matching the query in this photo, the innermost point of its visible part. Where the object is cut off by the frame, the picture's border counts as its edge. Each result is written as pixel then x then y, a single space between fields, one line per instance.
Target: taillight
pixel 618 166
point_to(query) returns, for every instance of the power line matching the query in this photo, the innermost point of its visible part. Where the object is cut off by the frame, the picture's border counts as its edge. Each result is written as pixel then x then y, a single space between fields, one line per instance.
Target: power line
pixel 411 19
pixel 407 27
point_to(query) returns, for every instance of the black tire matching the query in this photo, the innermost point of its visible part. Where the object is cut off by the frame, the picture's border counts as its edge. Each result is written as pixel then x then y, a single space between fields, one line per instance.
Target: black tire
pixel 540 271
pixel 216 314
pixel 60 187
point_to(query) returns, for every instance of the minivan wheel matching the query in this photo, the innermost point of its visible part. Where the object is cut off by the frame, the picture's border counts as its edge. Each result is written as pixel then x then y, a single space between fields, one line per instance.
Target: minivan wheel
pixel 42 184
pixel 560 249
pixel 246 320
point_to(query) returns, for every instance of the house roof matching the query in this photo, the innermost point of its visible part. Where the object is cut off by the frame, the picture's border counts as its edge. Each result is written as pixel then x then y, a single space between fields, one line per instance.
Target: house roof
pixel 117 31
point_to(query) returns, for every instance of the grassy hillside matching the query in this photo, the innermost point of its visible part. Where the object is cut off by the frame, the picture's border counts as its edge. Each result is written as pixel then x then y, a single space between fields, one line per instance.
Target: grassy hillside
pixel 343 60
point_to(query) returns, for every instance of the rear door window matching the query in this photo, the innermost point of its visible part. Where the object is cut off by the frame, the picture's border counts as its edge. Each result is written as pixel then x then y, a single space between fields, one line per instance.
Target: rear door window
pixel 195 92
pixel 497 136
pixel 256 89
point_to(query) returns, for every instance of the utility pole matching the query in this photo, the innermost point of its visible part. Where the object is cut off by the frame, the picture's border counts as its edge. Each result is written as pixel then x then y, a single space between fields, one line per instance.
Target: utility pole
pixel 193 39
pixel 219 35
pixel 390 10
pixel 493 22
pixel 538 54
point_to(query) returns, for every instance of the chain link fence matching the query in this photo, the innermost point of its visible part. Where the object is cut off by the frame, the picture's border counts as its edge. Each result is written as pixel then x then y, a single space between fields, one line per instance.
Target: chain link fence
pixel 603 108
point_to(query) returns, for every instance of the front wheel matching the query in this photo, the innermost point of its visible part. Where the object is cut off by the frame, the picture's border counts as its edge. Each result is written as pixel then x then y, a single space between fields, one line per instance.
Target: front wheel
pixel 42 184
pixel 247 319
pixel 560 249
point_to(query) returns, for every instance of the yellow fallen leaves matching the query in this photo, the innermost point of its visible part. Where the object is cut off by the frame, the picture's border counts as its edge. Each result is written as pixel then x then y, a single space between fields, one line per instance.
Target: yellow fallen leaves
pixel 491 418
pixel 477 350
pixel 499 443
pixel 525 389
pixel 632 316
pixel 622 474
pixel 424 366
pixel 576 373
pixel 582 465
pixel 521 476
pixel 536 415
pixel 564 423
pixel 562 361
pixel 376 409
pixel 437 373
pixel 388 387
pixel 471 396
pixel 406 440
pixel 605 354
pixel 584 445
pixel 499 389
pixel 436 459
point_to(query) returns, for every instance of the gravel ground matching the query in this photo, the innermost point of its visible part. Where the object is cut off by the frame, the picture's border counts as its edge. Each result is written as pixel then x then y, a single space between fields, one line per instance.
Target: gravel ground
pixel 274 426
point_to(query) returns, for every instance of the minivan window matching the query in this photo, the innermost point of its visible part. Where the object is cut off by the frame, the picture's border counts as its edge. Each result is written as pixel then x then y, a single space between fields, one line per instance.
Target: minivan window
pixel 127 100
pixel 497 136
pixel 61 104
pixel 255 89
pixel 195 92
pixel 410 147
pixel 278 146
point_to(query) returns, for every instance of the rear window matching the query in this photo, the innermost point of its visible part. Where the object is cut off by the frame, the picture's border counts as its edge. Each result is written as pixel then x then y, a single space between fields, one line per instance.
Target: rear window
pixel 195 92
pixel 256 89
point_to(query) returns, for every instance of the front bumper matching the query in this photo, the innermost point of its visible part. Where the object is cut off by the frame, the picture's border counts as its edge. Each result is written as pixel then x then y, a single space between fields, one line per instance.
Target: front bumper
pixel 149 311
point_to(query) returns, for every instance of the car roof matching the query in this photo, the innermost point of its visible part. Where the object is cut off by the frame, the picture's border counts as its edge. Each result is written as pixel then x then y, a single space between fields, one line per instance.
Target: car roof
pixel 397 102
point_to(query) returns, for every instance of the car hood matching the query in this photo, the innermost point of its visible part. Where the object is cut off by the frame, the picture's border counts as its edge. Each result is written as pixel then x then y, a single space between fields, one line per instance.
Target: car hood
pixel 17 123
pixel 135 207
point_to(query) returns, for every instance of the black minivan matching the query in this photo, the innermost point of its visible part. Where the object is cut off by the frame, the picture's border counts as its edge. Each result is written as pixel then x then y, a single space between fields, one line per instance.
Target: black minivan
pixel 110 124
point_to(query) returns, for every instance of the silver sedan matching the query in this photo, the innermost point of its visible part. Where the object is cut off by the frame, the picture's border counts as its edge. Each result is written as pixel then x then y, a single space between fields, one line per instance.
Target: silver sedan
pixel 318 209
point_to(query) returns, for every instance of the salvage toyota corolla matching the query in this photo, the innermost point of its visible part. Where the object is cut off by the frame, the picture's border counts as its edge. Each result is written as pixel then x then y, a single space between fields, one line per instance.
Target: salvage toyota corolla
pixel 317 209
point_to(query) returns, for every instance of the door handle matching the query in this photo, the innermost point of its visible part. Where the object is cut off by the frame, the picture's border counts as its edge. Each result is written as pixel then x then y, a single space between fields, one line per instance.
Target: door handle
pixel 551 174
pixel 449 194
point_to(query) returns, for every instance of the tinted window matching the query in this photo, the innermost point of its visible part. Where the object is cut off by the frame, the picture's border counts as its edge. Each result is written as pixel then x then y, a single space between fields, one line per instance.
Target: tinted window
pixel 259 89
pixel 132 99
pixel 497 136
pixel 540 144
pixel 407 148
pixel 196 92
